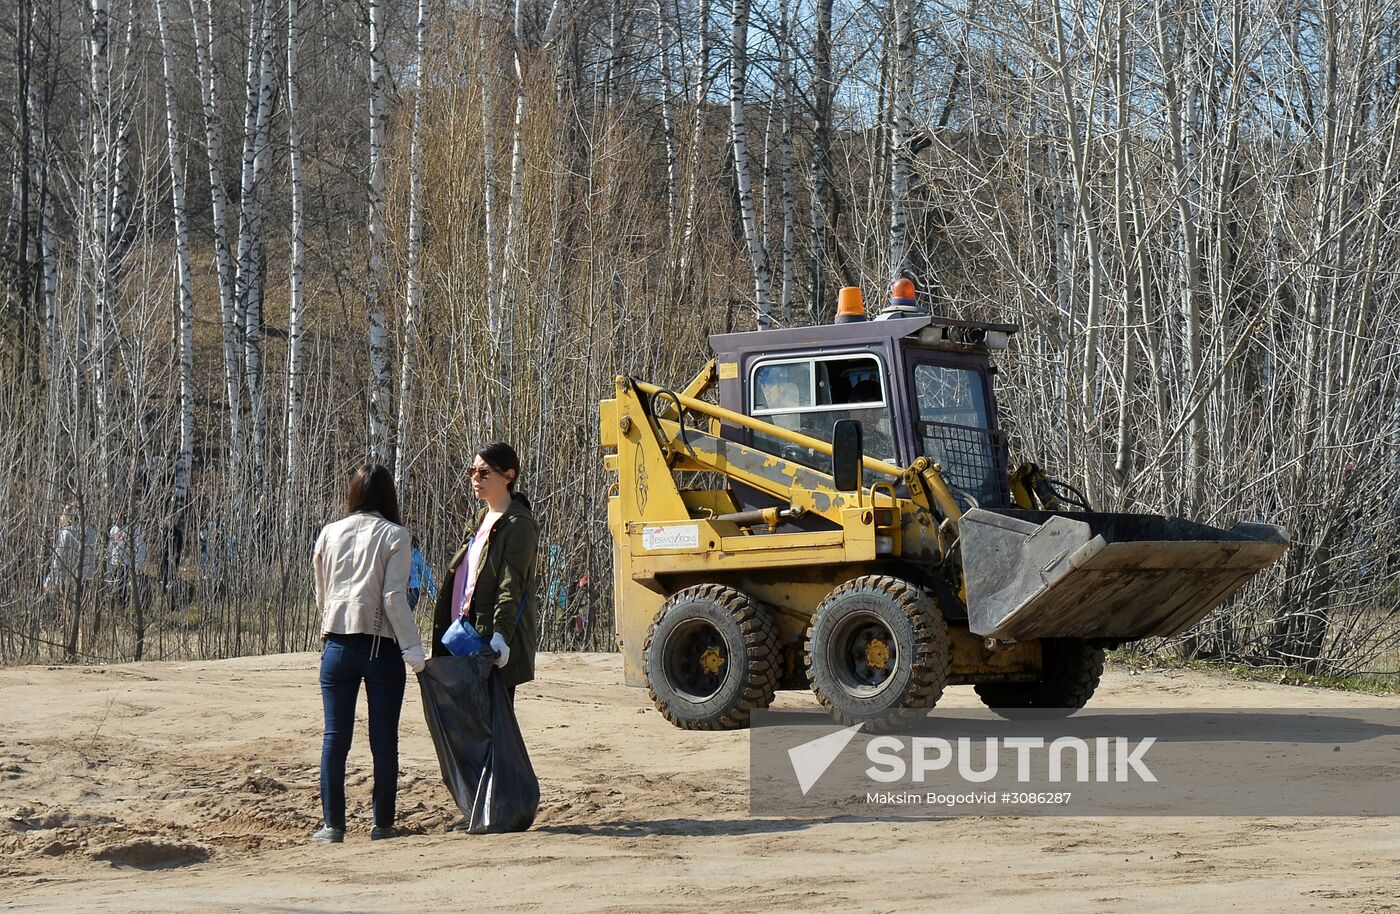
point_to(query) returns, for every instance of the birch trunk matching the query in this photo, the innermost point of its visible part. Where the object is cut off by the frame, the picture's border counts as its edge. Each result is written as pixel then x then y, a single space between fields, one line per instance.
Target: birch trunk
pixel 258 112
pixel 99 189
pixel 697 131
pixel 738 72
pixel 822 91
pixel 488 172
pixel 505 329
pixel 1190 260
pixel 1129 243
pixel 1079 146
pixel 789 236
pixel 668 126
pixel 206 57
pixel 184 460
pixel 900 158
pixel 414 303
pixel 295 331
pixel 379 392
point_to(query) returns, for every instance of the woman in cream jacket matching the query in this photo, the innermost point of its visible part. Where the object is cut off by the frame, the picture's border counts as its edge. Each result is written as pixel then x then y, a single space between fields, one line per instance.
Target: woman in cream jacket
pixel 362 566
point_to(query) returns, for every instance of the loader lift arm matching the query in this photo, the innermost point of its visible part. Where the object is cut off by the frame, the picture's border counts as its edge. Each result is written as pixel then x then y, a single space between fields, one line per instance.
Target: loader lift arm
pixel 651 420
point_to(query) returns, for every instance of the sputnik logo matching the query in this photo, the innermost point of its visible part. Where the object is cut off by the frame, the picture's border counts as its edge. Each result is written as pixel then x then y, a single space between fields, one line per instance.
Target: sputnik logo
pixel 811 759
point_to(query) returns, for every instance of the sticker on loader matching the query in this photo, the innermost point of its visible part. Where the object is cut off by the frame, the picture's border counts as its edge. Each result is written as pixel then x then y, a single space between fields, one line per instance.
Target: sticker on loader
pixel 682 536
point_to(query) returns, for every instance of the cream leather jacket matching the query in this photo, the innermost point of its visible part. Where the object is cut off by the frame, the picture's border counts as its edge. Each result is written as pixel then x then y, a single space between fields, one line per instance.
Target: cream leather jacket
pixel 362 563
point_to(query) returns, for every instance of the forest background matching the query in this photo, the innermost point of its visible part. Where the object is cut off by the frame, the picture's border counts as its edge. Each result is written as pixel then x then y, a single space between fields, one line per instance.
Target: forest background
pixel 250 244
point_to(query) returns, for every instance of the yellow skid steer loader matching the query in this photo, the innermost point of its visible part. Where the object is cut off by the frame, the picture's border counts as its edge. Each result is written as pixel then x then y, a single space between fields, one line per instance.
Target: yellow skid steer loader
pixel 844 518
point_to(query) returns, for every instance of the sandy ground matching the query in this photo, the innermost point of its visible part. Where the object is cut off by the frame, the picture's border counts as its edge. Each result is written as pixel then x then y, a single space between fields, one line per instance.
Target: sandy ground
pixel 192 786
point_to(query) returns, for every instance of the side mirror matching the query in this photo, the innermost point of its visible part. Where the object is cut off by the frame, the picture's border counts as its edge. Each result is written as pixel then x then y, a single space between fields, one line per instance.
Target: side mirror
pixel 847 454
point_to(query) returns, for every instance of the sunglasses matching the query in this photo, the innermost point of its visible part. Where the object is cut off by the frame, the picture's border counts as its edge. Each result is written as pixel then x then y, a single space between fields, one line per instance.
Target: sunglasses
pixel 479 473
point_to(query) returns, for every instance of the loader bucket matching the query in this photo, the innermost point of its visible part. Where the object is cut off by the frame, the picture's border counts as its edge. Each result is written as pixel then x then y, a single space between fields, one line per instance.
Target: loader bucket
pixel 1040 574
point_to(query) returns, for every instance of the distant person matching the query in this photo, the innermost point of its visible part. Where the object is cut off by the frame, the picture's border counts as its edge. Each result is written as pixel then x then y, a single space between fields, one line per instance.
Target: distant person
pixel 420 578
pixel 126 550
pixel 74 552
pixel 361 567
pixel 210 559
pixel 491 578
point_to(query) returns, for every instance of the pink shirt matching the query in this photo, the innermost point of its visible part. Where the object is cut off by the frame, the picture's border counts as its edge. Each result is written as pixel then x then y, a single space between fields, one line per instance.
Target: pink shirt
pixel 466 584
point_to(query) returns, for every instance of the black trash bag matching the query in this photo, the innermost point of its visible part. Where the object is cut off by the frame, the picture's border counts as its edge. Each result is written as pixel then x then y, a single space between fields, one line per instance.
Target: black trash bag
pixel 479 747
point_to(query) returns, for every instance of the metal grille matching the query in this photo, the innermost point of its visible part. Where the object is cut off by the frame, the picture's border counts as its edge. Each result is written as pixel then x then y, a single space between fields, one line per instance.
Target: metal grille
pixel 968 458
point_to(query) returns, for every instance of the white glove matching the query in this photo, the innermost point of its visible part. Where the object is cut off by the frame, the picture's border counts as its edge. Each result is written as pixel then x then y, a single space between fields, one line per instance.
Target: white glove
pixel 498 644
pixel 415 658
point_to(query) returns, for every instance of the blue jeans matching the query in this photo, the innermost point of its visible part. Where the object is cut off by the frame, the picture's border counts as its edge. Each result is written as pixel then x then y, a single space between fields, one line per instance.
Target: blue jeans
pixel 346 661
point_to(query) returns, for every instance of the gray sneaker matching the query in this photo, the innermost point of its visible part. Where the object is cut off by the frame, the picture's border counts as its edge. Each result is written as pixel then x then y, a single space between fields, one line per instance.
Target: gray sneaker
pixel 327 835
pixel 380 832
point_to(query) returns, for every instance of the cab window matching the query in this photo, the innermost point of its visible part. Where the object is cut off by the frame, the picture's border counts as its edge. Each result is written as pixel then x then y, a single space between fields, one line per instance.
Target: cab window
pixel 810 395
pixel 955 430
pixel 951 396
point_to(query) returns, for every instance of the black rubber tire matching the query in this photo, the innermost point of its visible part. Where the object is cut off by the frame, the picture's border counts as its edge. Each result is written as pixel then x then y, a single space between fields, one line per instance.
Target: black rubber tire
pixel 739 630
pixel 880 697
pixel 1071 672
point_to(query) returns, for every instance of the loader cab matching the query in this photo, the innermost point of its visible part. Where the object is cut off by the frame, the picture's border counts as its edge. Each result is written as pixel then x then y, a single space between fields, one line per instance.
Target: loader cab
pixel 918 385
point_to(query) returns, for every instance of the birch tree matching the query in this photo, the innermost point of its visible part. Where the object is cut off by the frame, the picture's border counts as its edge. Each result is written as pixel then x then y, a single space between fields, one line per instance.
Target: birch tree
pixel 489 205
pixel 379 386
pixel 207 61
pixel 1176 104
pixel 785 93
pixel 738 75
pixel 668 126
pixel 257 115
pixel 822 90
pixel 902 14
pixel 295 328
pixel 413 303
pixel 697 131
pixel 184 459
pixel 504 335
pixel 99 186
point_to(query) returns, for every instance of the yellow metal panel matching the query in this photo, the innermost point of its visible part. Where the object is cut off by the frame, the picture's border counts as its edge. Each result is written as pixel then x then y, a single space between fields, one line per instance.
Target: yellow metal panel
pixel 645 484
pixel 634 606
pixel 607 423
pixel 759 542
pixel 728 371
pixel 646 567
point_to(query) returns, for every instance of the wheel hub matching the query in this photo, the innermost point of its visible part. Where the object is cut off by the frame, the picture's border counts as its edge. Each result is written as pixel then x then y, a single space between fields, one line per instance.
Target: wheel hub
pixel 863 653
pixel 712 661
pixel 696 659
pixel 877 654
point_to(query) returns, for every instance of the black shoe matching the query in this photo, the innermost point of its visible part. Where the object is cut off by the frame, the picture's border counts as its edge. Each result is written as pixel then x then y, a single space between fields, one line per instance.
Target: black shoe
pixel 460 825
pixel 380 832
pixel 328 835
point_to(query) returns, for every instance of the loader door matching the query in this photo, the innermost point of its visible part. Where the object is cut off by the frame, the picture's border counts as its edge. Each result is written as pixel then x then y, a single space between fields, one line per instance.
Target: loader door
pixel 955 421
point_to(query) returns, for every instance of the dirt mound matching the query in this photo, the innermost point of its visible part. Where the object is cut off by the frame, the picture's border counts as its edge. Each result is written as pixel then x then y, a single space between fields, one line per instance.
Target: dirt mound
pixel 261 783
pixel 152 853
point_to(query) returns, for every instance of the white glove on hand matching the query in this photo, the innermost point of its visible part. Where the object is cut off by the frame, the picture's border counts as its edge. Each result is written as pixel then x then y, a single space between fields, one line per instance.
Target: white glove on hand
pixel 415 658
pixel 498 644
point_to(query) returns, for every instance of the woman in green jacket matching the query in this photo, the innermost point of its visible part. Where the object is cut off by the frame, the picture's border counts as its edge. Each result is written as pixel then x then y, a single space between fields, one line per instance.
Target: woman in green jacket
pixel 491 578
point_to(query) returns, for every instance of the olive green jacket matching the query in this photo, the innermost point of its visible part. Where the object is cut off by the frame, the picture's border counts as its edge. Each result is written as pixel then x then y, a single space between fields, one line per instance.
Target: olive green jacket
pixel 505 589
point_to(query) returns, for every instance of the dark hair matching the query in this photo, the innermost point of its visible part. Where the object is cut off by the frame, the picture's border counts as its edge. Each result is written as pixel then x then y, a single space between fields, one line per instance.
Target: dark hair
pixel 501 457
pixel 372 489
